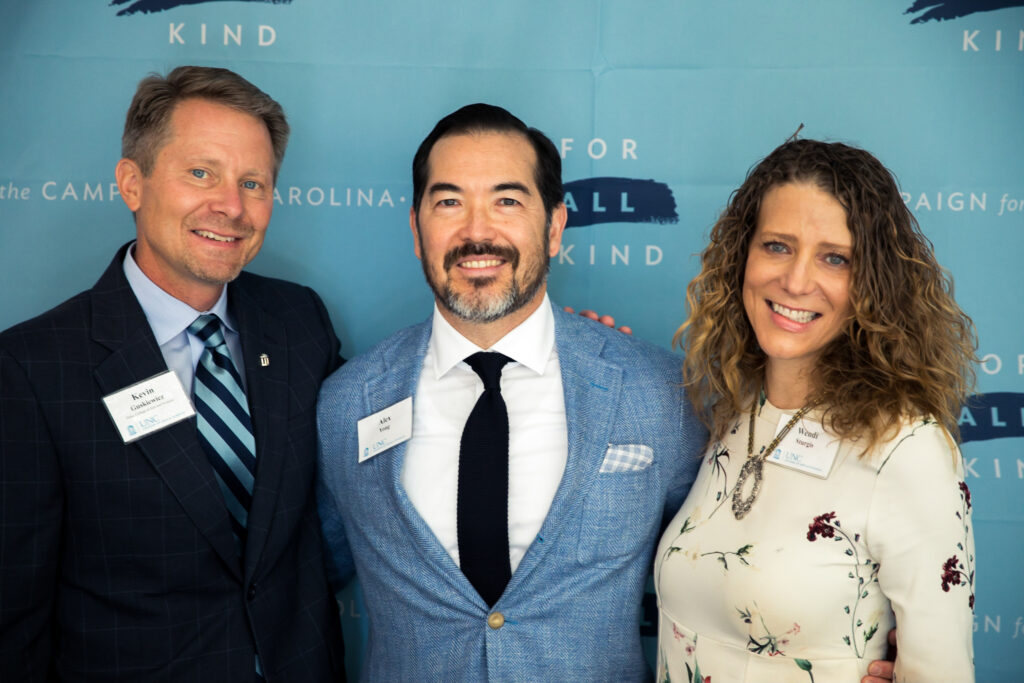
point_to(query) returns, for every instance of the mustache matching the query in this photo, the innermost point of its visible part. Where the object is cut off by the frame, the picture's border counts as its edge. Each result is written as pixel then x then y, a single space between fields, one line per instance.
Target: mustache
pixel 507 253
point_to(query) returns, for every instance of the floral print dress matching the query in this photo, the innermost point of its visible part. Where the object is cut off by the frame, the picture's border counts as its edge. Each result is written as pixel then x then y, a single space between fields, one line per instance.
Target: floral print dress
pixel 807 585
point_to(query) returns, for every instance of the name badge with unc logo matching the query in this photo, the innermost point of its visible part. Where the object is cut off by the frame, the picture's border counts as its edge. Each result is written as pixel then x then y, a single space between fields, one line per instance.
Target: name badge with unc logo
pixel 149 406
pixel 808 448
pixel 385 428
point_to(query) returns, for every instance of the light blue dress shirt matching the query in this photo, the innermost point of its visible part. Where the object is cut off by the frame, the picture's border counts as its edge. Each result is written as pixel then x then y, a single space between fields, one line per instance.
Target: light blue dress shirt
pixel 169 319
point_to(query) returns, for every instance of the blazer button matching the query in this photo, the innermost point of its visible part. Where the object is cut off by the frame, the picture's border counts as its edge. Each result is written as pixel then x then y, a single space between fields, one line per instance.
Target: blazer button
pixel 496 620
pixel 252 592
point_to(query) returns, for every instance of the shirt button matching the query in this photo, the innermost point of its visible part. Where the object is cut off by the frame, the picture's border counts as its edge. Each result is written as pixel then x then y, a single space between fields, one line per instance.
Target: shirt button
pixel 252 592
pixel 496 620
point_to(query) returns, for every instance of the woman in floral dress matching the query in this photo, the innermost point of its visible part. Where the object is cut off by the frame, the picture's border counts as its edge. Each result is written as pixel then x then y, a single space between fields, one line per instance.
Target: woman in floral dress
pixel 830 360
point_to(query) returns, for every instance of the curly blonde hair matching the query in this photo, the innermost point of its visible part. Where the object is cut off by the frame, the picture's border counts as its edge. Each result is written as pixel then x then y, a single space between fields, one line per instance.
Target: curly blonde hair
pixel 907 350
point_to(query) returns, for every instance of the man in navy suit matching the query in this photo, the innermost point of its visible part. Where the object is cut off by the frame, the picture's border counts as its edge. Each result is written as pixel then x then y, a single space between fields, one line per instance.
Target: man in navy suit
pixel 601 443
pixel 133 549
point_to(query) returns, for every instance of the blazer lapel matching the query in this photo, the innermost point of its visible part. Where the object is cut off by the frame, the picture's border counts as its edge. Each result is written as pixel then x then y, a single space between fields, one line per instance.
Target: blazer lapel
pixel 397 380
pixel 120 325
pixel 262 334
pixel 591 386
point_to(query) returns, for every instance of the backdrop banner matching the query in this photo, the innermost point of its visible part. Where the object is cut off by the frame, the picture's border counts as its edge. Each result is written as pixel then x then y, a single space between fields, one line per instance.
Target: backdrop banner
pixel 658 108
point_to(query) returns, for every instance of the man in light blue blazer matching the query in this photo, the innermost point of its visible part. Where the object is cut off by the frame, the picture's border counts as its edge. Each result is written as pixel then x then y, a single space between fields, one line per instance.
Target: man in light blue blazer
pixel 601 443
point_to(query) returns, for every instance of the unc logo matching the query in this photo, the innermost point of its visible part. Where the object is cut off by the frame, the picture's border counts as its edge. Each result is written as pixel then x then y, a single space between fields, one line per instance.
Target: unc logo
pixel 150 6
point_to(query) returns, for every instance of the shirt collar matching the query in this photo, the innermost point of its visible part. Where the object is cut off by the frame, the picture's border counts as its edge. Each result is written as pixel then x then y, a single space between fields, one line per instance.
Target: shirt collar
pixel 168 316
pixel 530 343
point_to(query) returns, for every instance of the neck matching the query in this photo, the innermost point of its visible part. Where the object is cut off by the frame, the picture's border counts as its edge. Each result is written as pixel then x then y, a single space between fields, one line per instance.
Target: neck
pixel 200 296
pixel 486 335
pixel 787 388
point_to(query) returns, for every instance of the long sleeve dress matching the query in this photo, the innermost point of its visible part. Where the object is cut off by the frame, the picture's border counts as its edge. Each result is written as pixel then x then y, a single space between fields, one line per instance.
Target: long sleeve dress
pixel 807 585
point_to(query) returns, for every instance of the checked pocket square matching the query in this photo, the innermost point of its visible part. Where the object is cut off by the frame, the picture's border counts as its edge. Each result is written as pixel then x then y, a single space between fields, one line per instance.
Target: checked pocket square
pixel 627 458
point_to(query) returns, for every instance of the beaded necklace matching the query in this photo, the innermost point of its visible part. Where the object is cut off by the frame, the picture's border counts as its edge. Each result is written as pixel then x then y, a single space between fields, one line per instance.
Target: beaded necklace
pixel 754 466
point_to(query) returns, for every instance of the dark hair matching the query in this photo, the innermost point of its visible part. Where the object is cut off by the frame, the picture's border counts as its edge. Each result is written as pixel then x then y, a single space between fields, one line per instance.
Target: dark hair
pixel 486 118
pixel 907 350
pixel 147 124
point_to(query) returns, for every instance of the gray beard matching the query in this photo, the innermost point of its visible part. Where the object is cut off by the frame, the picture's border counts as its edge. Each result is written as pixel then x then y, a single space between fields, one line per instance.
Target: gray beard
pixel 505 303
pixel 496 308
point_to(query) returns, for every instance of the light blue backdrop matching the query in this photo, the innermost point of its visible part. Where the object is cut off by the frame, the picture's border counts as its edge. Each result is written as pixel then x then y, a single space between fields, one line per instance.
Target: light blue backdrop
pixel 680 93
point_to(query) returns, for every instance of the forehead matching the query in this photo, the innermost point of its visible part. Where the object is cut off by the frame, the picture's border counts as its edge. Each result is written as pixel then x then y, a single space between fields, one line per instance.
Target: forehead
pixel 803 208
pixel 482 157
pixel 211 128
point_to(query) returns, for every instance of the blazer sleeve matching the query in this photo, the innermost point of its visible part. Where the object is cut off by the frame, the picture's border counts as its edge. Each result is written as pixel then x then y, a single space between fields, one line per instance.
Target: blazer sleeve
pixel 335 359
pixel 693 437
pixel 331 423
pixel 31 510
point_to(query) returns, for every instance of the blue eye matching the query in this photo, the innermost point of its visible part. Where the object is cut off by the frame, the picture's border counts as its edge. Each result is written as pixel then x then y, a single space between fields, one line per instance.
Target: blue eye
pixel 775 247
pixel 836 260
pixel 198 172
pixel 251 185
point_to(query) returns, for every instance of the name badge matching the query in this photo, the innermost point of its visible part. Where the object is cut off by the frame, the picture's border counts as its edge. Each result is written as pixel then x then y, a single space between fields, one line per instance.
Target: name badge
pixel 384 429
pixel 807 448
pixel 148 406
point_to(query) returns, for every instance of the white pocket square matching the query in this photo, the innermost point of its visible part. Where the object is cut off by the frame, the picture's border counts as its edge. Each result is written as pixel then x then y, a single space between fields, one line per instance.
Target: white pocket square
pixel 631 457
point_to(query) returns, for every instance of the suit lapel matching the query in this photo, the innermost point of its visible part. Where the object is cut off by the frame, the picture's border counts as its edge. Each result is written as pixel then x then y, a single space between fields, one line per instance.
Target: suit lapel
pixel 262 334
pixel 397 380
pixel 591 387
pixel 119 324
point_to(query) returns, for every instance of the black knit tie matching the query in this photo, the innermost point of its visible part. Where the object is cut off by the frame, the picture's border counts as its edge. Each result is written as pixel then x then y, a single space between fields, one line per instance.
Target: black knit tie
pixel 483 484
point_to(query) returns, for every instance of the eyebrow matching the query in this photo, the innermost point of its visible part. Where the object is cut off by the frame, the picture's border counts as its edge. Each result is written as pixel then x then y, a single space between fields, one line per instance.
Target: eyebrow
pixel 786 236
pixel 443 187
pixel 517 187
pixel 500 187
pixel 216 164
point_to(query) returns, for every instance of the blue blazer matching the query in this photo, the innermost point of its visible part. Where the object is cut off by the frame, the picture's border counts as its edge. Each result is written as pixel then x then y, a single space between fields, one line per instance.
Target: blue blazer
pixel 572 608
pixel 117 561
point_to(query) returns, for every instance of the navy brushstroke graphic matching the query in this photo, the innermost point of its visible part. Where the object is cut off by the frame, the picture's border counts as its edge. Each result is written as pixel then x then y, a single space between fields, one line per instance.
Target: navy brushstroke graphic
pixel 955 9
pixel 150 6
pixel 998 415
pixel 619 200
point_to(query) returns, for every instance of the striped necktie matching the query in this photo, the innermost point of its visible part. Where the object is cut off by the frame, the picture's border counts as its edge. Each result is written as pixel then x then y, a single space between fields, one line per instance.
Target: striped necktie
pixel 225 429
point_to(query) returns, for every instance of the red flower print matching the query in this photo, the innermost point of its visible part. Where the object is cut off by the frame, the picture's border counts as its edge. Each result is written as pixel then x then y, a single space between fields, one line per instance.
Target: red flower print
pixel 950 574
pixel 967 494
pixel 821 526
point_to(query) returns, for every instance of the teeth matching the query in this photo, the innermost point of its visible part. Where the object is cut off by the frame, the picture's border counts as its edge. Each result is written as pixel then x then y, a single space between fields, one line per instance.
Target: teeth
pixel 795 316
pixel 489 263
pixel 212 236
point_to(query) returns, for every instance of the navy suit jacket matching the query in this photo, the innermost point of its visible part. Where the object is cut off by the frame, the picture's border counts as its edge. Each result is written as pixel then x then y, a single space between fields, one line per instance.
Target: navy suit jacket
pixel 572 608
pixel 117 561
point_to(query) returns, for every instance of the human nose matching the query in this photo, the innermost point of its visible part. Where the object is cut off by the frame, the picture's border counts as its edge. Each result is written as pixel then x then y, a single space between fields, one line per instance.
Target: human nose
pixel 479 224
pixel 798 277
pixel 227 200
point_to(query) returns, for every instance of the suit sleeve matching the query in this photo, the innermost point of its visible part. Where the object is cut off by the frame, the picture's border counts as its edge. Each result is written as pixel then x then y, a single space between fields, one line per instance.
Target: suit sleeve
pixel 31 510
pixel 335 360
pixel 693 438
pixel 340 565
pixel 330 489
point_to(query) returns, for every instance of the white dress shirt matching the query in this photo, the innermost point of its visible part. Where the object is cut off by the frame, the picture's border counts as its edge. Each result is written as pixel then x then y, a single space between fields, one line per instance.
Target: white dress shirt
pixel 169 319
pixel 538 439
